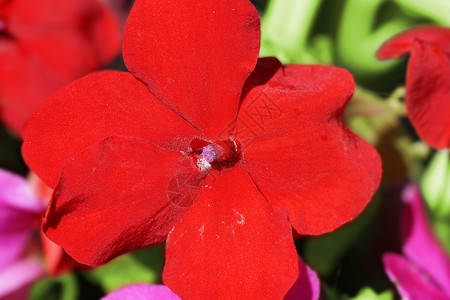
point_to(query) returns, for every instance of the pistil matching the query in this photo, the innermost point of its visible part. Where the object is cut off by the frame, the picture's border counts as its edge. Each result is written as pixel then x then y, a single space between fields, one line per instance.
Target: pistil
pixel 217 155
pixel 221 154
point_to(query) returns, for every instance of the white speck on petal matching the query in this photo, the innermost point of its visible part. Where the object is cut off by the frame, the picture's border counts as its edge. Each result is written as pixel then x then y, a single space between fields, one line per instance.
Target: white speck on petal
pixel 241 218
pixel 201 229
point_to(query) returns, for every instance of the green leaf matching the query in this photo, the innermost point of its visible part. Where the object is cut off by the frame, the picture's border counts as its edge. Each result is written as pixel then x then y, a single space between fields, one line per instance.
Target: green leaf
pixel 285 28
pixel 370 116
pixel 324 252
pixel 359 38
pixel 141 266
pixel 435 186
pixel 442 229
pixel 10 154
pixel 368 294
pixel 63 287
pixel 436 10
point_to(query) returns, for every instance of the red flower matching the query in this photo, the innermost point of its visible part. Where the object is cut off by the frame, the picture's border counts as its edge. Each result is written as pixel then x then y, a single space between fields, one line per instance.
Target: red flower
pixel 45 44
pixel 190 148
pixel 427 80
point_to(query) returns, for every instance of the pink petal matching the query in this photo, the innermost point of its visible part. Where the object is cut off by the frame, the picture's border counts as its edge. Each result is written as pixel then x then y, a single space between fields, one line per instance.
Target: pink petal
pixel 420 245
pixel 19 209
pixel 411 283
pixel 142 292
pixel 307 286
pixel 19 275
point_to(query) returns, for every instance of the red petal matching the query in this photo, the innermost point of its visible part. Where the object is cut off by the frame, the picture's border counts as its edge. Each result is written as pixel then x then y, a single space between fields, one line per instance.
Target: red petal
pixel 428 94
pixel 194 55
pixel 40 189
pixel 113 198
pixel 90 20
pixel 230 244
pixel 301 157
pixel 104 31
pixel 56 259
pixel 34 63
pixel 91 109
pixel 402 44
pixel 26 80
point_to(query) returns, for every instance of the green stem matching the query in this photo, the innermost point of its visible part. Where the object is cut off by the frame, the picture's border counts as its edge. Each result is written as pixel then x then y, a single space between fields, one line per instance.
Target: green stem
pixel 437 10
pixel 368 103
pixel 358 40
pixel 286 26
pixel 370 115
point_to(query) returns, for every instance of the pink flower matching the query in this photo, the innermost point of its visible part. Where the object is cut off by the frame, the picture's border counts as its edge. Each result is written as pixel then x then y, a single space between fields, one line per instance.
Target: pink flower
pixel 423 271
pixel 20 209
pixel 22 204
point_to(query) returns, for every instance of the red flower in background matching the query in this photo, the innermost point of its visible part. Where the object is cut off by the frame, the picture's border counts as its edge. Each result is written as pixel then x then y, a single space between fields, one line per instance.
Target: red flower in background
pixel 427 80
pixel 44 45
pixel 122 9
pixel 203 145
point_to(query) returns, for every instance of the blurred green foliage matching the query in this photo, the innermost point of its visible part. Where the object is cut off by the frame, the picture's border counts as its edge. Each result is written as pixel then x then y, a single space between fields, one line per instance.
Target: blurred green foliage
pixel 141 266
pixel 345 33
pixel 10 154
pixel 369 294
pixel 435 187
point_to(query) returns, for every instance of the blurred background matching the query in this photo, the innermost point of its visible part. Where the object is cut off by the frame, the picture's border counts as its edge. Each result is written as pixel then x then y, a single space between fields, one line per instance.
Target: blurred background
pixel 344 33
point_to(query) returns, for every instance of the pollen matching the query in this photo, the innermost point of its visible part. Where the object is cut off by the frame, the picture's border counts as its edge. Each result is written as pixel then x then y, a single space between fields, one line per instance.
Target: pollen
pixel 203 164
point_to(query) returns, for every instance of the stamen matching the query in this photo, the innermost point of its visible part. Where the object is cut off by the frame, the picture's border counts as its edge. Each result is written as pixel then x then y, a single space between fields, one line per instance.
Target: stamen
pixel 218 155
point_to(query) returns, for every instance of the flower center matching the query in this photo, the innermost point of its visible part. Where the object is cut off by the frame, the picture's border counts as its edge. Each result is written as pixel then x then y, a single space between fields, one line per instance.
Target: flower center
pixel 218 155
